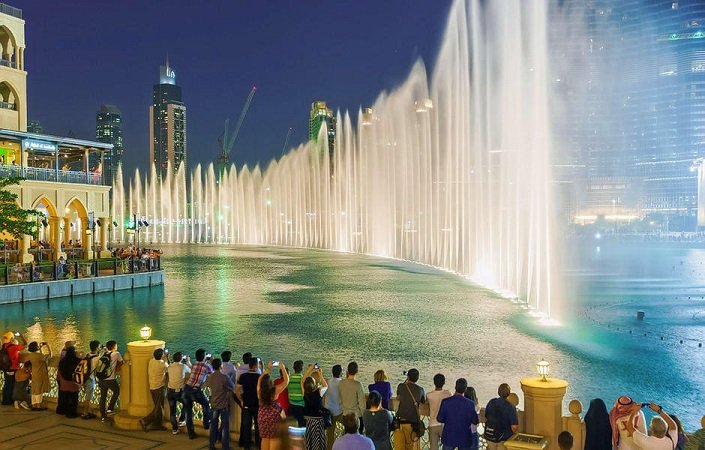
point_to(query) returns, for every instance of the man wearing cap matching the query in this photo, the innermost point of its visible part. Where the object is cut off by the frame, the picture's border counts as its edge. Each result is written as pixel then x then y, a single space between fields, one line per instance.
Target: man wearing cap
pixel 13 348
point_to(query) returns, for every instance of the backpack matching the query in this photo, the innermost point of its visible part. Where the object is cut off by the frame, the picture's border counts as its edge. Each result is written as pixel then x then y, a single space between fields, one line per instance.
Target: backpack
pixel 82 370
pixel 493 425
pixel 5 361
pixel 103 368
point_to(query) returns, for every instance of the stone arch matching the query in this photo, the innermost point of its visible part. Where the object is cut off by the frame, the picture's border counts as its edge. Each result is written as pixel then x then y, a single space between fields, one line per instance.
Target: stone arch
pixel 8 43
pixel 78 204
pixel 8 94
pixel 44 200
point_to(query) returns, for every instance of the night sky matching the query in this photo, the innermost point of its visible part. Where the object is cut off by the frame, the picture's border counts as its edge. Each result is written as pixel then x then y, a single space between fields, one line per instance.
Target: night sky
pixel 82 54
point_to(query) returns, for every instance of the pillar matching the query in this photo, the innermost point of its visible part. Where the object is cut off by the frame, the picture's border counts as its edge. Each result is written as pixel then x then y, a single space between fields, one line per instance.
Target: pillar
pixel 24 256
pixel 55 237
pixel 86 239
pixel 104 252
pixel 135 399
pixel 543 407
pixel 575 425
pixel 67 231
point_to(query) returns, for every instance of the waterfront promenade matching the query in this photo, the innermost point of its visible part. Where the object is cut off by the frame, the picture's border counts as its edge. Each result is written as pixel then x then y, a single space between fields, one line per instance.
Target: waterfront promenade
pixel 20 429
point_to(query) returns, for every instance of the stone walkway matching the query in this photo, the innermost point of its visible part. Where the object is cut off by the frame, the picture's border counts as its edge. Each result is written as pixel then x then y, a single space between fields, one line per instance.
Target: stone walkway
pixel 20 429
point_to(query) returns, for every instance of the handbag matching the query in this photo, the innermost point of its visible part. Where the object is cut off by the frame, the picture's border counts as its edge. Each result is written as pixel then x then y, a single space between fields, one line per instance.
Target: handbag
pixel 327 417
pixel 419 428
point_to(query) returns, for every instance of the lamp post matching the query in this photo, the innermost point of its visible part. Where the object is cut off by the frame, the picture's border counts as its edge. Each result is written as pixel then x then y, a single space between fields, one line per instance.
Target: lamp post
pixel 543 400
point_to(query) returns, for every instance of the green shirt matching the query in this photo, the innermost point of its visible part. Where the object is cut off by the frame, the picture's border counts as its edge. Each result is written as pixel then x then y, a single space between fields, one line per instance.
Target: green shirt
pixel 296 395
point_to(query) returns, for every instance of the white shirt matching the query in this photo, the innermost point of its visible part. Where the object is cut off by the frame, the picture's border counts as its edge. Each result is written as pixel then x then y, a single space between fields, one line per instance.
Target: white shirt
pixel 434 399
pixel 114 358
pixel 653 443
pixel 626 442
pixel 228 369
pixel 156 371
pixel 178 372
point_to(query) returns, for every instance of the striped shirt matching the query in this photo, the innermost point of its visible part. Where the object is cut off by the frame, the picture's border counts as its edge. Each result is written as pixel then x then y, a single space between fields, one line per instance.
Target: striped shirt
pixel 296 395
pixel 198 374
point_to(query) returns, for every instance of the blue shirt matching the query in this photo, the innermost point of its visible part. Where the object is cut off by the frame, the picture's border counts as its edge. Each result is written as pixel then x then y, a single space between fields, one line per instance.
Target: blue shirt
pixel 457 413
pixel 353 442
pixel 385 390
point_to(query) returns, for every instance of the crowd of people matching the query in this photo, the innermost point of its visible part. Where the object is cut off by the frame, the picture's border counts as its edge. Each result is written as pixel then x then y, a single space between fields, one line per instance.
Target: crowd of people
pixel 271 397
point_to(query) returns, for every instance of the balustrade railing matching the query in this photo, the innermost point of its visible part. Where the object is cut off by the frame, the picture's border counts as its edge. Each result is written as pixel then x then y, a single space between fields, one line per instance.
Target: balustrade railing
pixel 72 269
pixel 48 174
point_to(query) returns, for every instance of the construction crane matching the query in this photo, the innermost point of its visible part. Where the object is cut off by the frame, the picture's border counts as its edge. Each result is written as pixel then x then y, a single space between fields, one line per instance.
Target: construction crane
pixel 286 141
pixel 226 143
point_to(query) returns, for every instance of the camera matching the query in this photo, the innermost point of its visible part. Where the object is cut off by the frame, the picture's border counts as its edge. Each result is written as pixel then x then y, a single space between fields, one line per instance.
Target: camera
pixel 275 363
pixel 404 373
pixel 166 350
pixel 315 366
pixel 645 405
pixel 17 333
pixel 208 356
pixel 183 358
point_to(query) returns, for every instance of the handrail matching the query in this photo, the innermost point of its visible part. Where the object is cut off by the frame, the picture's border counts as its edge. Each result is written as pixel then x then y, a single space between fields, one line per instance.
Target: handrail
pixel 73 269
pixel 44 174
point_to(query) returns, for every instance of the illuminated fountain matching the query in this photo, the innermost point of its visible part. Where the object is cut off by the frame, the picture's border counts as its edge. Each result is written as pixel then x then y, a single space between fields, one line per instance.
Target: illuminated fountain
pixel 453 173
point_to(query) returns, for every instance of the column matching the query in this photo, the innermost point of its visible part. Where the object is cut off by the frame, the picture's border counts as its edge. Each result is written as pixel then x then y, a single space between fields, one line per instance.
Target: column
pixel 104 253
pixel 86 239
pixel 85 165
pixel 543 407
pixel 67 231
pixel 134 382
pixel 25 257
pixel 55 237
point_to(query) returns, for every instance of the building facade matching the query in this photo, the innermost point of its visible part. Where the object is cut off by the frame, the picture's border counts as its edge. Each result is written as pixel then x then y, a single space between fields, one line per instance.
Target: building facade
pixel 167 124
pixel 635 82
pixel 320 113
pixel 108 129
pixel 58 180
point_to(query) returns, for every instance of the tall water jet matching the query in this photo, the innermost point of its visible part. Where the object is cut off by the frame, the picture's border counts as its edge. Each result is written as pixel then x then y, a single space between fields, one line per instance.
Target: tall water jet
pixel 454 172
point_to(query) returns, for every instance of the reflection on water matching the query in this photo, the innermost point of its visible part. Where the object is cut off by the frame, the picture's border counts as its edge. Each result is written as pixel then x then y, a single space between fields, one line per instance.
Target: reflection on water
pixel 331 308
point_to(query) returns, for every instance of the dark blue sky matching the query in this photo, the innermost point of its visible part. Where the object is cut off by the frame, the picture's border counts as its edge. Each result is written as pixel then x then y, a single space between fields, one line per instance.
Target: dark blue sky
pixel 82 54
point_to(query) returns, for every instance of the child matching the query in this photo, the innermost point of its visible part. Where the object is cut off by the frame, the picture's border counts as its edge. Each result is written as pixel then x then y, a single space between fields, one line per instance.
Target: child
pixel 21 394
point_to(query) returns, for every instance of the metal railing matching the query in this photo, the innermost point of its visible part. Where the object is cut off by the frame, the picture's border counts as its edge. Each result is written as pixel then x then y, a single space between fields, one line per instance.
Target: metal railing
pixel 42 174
pixel 8 63
pixel 10 10
pixel 8 105
pixel 69 270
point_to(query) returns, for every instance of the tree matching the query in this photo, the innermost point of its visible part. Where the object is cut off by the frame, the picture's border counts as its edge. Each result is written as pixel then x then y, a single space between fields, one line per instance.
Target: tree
pixel 13 219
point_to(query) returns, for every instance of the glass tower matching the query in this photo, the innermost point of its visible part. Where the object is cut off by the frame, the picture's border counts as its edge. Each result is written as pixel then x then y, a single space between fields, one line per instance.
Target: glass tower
pixel 321 113
pixel 108 129
pixel 167 116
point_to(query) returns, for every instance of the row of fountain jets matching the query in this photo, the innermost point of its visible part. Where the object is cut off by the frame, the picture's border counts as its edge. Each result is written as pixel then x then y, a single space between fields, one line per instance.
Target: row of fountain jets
pixel 449 169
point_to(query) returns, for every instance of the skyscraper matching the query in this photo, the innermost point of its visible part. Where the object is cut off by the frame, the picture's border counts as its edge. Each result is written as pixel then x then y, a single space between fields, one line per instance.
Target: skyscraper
pixel 108 129
pixel 167 124
pixel 321 113
pixel 638 126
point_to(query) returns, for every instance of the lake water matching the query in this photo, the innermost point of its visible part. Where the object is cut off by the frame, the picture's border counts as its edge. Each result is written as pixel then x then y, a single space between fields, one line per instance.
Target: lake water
pixel 332 308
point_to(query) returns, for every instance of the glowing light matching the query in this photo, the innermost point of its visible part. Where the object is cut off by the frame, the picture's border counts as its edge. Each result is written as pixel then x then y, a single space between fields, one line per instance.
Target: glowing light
pixel 598 236
pixel 145 332
pixel 542 367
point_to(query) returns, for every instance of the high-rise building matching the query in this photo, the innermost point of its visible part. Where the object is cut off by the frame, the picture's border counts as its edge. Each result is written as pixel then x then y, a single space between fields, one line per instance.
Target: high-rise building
pixel 108 129
pixel 34 126
pixel 320 113
pixel 167 124
pixel 639 121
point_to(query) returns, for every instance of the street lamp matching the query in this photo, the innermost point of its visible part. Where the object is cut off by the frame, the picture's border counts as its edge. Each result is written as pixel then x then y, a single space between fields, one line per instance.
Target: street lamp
pixel 542 367
pixel 145 333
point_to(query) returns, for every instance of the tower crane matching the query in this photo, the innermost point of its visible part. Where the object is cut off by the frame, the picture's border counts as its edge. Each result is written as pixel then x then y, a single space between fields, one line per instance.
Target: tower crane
pixel 286 140
pixel 226 142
